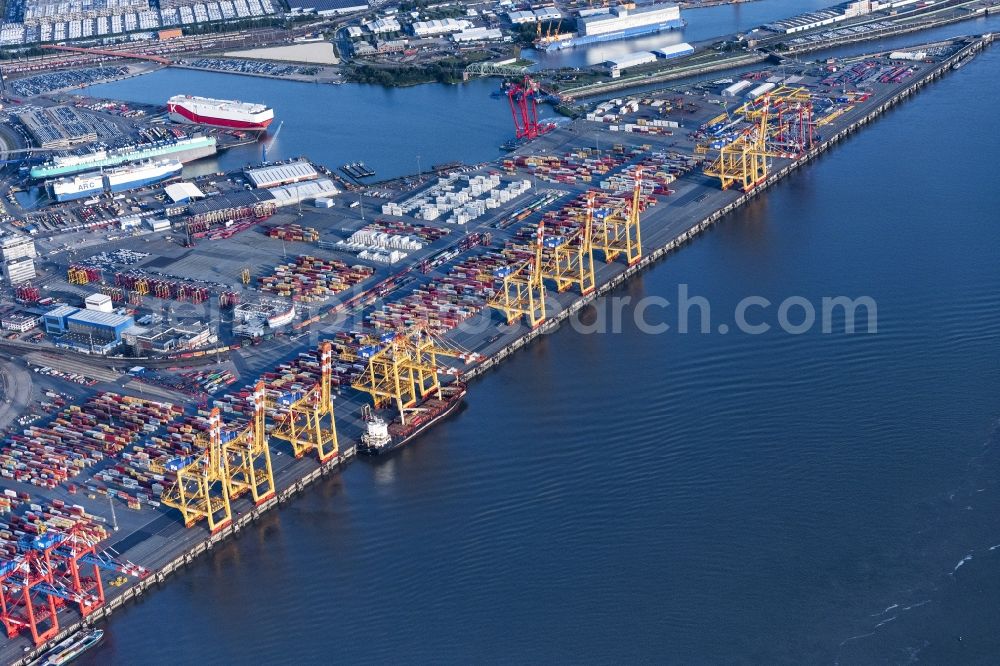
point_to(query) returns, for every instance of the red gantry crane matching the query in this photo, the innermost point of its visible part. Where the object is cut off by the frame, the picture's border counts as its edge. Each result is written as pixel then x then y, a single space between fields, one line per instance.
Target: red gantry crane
pixel 49 571
pixel 524 109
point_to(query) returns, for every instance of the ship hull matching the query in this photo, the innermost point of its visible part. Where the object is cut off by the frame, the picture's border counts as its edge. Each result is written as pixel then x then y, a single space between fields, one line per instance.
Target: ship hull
pixel 398 442
pixel 180 114
pixel 116 180
pixel 183 151
pixel 80 194
pixel 157 177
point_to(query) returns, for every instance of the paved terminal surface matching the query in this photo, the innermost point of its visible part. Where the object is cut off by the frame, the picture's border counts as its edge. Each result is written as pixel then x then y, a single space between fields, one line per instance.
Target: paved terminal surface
pixel 15 384
pixel 154 537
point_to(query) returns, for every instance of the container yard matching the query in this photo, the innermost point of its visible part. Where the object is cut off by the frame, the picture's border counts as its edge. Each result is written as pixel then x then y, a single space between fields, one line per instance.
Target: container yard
pixel 452 278
pixel 309 279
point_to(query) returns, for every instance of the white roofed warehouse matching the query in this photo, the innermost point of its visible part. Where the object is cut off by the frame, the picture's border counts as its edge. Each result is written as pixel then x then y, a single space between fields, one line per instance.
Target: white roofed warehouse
pixel 274 175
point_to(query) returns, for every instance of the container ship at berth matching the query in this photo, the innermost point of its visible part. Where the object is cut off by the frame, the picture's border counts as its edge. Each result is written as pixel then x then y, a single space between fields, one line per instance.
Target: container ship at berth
pixel 607 25
pixel 382 438
pixel 219 112
pixel 117 179
pixel 182 150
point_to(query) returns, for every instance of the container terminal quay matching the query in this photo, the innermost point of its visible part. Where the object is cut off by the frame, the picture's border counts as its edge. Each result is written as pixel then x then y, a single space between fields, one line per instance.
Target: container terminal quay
pixel 182 354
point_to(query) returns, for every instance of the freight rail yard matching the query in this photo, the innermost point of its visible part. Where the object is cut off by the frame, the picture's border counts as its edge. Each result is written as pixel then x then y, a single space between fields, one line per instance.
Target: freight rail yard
pixel 314 299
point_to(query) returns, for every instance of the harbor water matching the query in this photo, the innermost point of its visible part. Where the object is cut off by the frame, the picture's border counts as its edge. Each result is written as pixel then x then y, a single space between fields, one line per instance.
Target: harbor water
pixel 394 131
pixel 680 498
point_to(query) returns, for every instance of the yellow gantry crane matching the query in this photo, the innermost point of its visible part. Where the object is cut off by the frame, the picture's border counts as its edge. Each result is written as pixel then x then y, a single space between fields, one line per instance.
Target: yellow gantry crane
pixel 572 260
pixel 403 369
pixel 201 488
pixel 744 161
pixel 523 293
pixel 229 464
pixel 306 425
pixel 247 455
pixel 617 231
pixel 779 124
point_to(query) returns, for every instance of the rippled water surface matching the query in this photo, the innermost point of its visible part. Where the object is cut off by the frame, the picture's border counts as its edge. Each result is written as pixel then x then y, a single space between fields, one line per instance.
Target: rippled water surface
pixel 681 498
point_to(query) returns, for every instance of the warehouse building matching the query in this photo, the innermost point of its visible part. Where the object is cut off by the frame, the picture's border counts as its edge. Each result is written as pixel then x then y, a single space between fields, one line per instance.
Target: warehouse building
pixel 164 338
pixel 621 19
pixel 329 7
pixel 183 192
pixel 736 88
pixel 674 51
pixel 54 321
pixel 101 325
pixel 478 35
pixel 522 17
pixel 383 26
pixel 19 322
pixel 86 330
pixel 289 195
pixel 281 174
pixel 439 27
pixel 99 303
pixel 631 60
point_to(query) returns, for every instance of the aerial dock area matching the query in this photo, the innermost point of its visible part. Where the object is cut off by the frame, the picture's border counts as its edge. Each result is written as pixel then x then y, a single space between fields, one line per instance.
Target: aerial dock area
pixel 239 303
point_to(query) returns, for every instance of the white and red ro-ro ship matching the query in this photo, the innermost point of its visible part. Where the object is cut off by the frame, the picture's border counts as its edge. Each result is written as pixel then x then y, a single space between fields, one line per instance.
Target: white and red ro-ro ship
pixel 219 112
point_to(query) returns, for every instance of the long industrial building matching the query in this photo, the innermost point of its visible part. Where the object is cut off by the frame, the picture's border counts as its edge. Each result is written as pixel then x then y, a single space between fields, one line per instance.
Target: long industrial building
pixel 621 19
pixel 281 174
